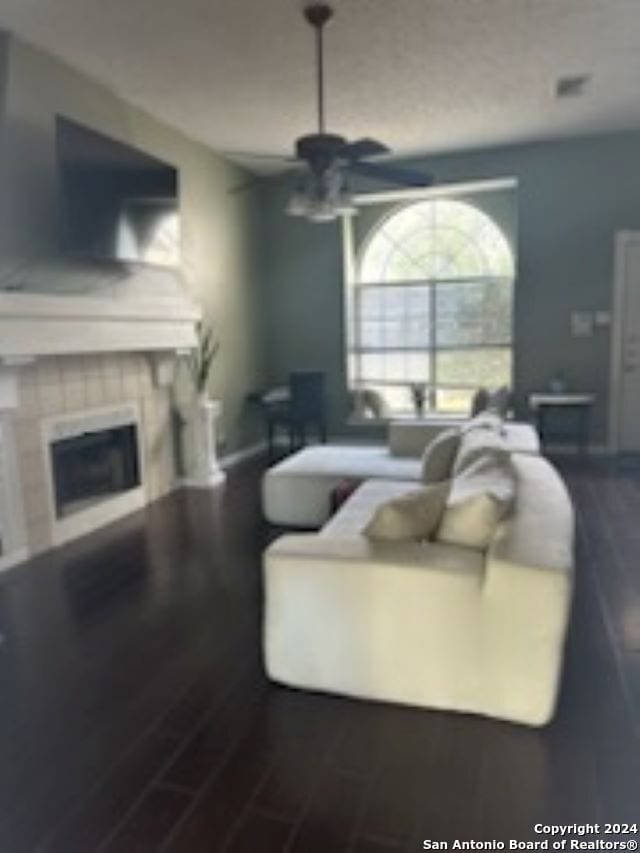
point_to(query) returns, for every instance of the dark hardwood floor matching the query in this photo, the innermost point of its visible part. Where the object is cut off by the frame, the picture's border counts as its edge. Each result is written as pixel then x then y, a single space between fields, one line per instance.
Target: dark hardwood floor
pixel 134 715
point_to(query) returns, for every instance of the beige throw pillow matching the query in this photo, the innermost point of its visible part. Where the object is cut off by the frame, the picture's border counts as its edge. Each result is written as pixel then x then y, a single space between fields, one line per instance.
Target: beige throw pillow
pixel 413 516
pixel 479 499
pixel 439 456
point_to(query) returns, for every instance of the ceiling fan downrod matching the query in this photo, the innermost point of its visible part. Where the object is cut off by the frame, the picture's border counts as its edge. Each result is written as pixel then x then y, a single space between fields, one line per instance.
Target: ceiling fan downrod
pixel 318 15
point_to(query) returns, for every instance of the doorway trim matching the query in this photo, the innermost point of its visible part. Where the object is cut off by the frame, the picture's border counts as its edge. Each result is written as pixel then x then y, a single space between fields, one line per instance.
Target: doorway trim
pixel 622 241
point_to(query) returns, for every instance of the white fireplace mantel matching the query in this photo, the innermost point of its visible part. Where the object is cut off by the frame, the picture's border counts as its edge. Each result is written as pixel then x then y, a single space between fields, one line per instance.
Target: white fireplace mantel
pixel 34 325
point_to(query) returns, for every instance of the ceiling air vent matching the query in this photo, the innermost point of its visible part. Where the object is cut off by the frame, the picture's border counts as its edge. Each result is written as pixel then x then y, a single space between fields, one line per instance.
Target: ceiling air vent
pixel 572 86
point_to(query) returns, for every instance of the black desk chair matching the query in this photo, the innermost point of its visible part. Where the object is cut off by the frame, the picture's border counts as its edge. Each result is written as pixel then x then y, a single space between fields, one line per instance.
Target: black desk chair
pixel 301 406
pixel 306 406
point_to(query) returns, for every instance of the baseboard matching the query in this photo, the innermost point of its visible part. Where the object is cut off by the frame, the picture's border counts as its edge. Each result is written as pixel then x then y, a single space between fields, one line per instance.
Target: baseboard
pixel 212 482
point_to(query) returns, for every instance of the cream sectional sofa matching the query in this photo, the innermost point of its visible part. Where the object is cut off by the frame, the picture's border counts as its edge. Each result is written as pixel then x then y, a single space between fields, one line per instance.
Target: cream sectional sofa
pixel 297 492
pixel 424 623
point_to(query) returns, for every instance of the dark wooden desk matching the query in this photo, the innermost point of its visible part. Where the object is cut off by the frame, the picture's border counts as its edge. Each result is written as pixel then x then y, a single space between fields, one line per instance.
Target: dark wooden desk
pixel 574 409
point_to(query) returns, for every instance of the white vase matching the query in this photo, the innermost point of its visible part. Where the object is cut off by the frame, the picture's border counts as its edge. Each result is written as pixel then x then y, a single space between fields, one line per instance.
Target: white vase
pixel 204 468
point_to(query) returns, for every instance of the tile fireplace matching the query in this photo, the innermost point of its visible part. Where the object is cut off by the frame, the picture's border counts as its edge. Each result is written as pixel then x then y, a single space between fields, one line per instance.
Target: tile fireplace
pixel 85 405
pixel 92 441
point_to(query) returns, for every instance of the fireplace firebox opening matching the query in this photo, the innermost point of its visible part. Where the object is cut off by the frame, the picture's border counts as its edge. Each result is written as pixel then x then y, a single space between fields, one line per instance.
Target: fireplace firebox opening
pixel 93 467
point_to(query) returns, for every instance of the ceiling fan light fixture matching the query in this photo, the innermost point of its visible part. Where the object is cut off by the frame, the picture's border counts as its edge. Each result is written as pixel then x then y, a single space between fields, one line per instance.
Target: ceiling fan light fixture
pixel 322 198
pixel 329 158
pixel 321 212
pixel 298 203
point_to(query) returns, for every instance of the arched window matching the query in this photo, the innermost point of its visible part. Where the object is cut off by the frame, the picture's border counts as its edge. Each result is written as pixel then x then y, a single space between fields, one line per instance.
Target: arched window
pixel 432 306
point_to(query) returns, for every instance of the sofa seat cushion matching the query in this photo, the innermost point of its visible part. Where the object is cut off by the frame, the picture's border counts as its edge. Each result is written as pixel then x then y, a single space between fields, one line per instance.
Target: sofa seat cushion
pixel 349 460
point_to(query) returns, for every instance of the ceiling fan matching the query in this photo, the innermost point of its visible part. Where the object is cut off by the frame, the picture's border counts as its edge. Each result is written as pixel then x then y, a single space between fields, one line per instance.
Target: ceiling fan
pixel 328 159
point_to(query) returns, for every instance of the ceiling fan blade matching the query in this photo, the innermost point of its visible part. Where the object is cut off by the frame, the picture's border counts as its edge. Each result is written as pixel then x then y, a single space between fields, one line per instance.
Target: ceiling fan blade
pixel 252 155
pixel 360 149
pixel 391 174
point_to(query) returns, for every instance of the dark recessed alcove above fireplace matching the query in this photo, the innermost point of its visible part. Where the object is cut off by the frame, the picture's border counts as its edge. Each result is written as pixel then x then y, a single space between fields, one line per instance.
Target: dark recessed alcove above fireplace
pixel 94 466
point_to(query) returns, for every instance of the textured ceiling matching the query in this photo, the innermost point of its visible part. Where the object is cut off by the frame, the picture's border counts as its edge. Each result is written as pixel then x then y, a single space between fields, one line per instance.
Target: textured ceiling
pixel 422 75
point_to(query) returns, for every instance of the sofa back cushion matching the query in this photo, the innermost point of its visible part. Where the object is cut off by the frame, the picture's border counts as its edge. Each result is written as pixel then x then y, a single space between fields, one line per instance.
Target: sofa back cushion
pixel 478 443
pixel 412 516
pixel 484 420
pixel 540 533
pixel 480 497
pixel 439 456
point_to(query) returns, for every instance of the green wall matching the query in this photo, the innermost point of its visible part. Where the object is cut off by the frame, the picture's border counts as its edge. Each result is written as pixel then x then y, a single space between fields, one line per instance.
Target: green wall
pixel 572 197
pixel 220 230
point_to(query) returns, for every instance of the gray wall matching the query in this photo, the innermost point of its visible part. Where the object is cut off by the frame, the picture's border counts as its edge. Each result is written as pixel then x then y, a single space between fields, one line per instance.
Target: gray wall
pixel 220 230
pixel 573 196
pixel 4 81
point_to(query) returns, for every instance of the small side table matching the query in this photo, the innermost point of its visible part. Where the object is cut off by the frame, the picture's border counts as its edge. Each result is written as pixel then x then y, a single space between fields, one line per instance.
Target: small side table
pixel 578 409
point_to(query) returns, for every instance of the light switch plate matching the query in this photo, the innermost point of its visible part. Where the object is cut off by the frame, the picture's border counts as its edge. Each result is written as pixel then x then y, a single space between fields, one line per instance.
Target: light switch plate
pixel 581 324
pixel 603 318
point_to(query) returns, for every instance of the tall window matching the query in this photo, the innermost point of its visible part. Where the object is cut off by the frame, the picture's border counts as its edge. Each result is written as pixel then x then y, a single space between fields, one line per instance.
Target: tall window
pixel 431 305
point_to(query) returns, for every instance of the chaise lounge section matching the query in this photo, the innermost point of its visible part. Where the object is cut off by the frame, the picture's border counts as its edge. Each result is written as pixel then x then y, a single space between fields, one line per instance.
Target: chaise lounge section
pixel 297 492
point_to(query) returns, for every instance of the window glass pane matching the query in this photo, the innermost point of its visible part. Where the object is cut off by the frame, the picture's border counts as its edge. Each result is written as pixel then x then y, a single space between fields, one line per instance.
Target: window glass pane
pixel 371 303
pixel 474 313
pixel 396 366
pixel 439 239
pixel 396 397
pixel 474 367
pixel 418 300
pixel 454 400
pixel 399 318
pixel 417 333
pixel 418 367
pixel 372 366
pixel 393 305
pixel 394 334
pixel 371 335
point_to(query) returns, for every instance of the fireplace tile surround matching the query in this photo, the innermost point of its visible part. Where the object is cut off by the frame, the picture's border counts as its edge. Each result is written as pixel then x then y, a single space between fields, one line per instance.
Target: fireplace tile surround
pixel 54 385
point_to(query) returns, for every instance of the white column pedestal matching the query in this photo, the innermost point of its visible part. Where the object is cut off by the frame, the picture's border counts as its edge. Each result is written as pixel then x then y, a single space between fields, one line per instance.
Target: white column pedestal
pixel 204 468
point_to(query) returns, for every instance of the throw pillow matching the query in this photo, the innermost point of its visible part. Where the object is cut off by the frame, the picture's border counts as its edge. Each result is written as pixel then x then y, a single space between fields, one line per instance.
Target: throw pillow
pixel 413 516
pixel 439 455
pixel 476 444
pixel 478 501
